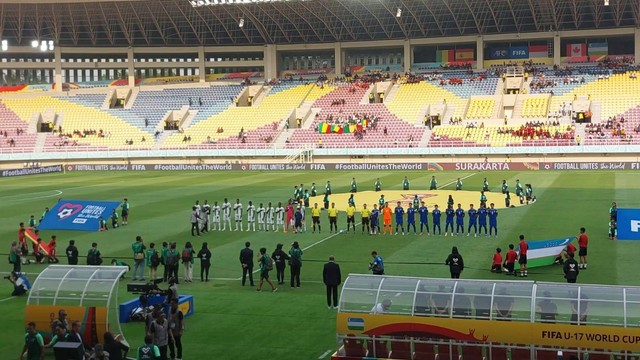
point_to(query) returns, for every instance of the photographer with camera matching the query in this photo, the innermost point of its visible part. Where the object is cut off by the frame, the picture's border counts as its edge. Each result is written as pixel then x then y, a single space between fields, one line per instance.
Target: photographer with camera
pixel 20 283
pixel 377 266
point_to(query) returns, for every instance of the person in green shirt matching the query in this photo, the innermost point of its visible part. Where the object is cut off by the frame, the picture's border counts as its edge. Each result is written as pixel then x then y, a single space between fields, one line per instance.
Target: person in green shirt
pixel 138 258
pixel 305 196
pixel 295 259
pixel 416 202
pixel 152 257
pixel 378 185
pixel 32 222
pixel 354 185
pixel 125 211
pixel 59 335
pixel 44 213
pixel 314 191
pixel 381 201
pixel 33 344
pixel 483 198
pixel 263 262
pixel 434 183
pixel 405 184
pixel 505 187
pixel 114 219
pixel 458 184
pixel 327 188
pixel 519 191
pixel 148 351
pixel 163 258
pixel 485 185
pixel 187 261
pixel 14 257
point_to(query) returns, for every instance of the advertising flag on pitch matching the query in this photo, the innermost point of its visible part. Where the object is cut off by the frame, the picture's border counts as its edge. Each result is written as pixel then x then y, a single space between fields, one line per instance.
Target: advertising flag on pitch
pixel 544 252
pixel 81 215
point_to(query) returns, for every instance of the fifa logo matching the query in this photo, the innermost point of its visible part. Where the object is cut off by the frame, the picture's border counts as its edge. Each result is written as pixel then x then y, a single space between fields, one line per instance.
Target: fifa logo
pixel 635 225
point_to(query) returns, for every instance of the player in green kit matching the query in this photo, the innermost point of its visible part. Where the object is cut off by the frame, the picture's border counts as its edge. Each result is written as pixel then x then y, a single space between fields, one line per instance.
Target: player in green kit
pixel 416 202
pixel 314 191
pixel 519 191
pixel 505 187
pixel 381 201
pixel 458 184
pixel 125 211
pixel 405 184
pixel 327 188
pixel 485 185
pixel 434 183
pixel 354 185
pixel 378 185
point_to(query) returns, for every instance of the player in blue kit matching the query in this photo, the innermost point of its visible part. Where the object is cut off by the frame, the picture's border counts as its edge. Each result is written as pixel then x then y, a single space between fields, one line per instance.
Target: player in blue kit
pixel 473 221
pixel 449 220
pixel 424 219
pixel 399 211
pixel 411 219
pixel 373 219
pixel 482 219
pixel 436 219
pixel 459 220
pixel 493 219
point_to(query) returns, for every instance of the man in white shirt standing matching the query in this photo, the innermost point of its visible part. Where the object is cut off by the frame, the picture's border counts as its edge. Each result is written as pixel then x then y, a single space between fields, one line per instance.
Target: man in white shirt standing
pixel 237 210
pixel 216 216
pixel 270 213
pixel 226 215
pixel 261 217
pixel 251 216
pixel 279 217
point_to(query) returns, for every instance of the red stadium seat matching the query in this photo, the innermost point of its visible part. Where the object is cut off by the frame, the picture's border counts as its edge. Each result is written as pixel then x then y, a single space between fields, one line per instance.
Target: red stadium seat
pixel 423 351
pixel 546 355
pixel 354 347
pixel 448 352
pixel 378 348
pixel 471 352
pixel 498 353
pixel 401 349
pixel 520 353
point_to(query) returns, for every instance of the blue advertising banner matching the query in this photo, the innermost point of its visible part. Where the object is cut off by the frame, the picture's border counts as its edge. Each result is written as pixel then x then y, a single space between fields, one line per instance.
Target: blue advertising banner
pixel 628 224
pixel 499 53
pixel 519 52
pixel 81 215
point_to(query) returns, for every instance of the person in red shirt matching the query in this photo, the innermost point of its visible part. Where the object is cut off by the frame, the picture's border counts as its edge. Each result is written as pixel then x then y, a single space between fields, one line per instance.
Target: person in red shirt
pixel 565 254
pixel 53 258
pixel 583 241
pixel 510 261
pixel 522 257
pixel 496 266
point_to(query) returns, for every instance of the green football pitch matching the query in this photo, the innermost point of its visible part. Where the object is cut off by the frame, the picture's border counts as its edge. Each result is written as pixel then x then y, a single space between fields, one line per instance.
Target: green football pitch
pixel 235 322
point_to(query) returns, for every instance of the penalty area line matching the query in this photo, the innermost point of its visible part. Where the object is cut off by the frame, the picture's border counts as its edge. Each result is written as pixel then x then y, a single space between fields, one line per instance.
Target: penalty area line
pixel 311 245
pixel 324 354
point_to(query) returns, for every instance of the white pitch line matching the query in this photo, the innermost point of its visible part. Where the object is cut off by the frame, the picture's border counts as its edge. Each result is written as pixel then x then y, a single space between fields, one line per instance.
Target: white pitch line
pixel 5 299
pixel 324 354
pixel 58 193
pixel 453 182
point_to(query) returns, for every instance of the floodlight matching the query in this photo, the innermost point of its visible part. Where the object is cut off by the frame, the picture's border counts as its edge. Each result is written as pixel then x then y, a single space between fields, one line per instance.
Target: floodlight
pixel 399 12
pixel 50 45
pixel 43 46
pixel 606 2
pixel 35 43
pixel 241 23
pixel 4 45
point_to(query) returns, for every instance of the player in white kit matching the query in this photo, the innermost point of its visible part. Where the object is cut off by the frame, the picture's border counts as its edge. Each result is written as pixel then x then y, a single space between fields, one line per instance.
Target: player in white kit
pixel 237 210
pixel 226 215
pixel 261 217
pixel 279 217
pixel 251 216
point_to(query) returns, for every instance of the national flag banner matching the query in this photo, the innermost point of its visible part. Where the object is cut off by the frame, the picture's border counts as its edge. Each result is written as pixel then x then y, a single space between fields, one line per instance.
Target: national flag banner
pixel 355 324
pixel 82 215
pixel 365 122
pixel 347 129
pixel 538 51
pixel 544 252
pixel 445 56
pixel 464 54
pixel 596 49
pixel 323 128
pixel 574 50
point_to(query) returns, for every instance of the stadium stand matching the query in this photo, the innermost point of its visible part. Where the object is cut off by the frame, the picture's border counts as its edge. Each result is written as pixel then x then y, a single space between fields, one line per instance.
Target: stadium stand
pixel 346 104
pixel 480 108
pixel 523 135
pixel 411 99
pixel 14 136
pixel 83 124
pixel 276 106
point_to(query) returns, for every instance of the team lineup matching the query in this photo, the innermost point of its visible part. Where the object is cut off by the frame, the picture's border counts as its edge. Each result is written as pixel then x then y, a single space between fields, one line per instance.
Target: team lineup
pixel 380 218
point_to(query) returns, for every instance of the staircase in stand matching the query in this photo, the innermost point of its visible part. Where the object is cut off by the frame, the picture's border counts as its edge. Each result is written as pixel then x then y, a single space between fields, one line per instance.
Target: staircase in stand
pixel 302 155
pixel 41 140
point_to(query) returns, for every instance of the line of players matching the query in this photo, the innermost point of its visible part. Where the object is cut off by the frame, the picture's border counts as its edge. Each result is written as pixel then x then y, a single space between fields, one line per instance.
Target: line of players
pixel 206 217
pixel 292 217
pixel 477 219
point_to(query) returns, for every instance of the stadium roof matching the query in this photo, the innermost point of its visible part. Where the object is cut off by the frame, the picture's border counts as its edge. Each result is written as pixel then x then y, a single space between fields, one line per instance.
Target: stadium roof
pixel 178 23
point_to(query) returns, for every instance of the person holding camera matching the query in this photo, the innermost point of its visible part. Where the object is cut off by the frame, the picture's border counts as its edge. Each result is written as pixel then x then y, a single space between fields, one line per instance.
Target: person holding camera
pixel 20 283
pixel 93 256
pixel 377 266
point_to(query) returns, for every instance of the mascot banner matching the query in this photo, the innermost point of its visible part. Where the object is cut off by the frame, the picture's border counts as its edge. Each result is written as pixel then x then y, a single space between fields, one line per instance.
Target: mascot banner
pixel 81 215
